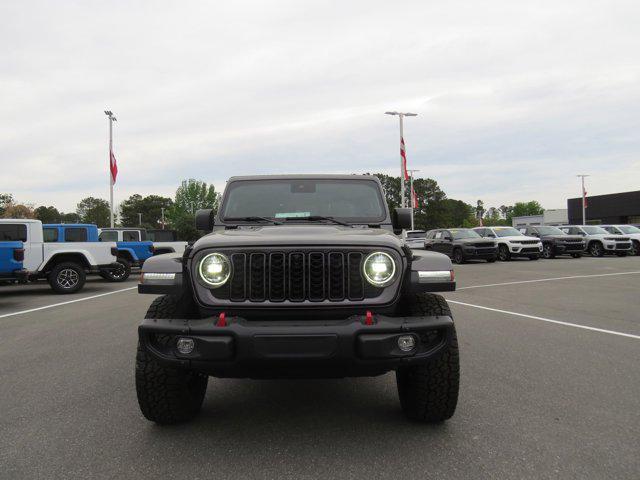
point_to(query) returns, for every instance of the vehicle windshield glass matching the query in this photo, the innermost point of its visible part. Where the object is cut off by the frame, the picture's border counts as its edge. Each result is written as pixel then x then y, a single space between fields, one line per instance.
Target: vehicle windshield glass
pixel 595 230
pixel 550 231
pixel 357 201
pixel 507 232
pixel 458 234
pixel 415 234
pixel 629 229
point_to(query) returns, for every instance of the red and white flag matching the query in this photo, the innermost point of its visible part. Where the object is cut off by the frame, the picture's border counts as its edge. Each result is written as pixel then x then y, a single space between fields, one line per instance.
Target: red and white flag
pixel 113 166
pixel 403 154
pixel 414 199
pixel 584 197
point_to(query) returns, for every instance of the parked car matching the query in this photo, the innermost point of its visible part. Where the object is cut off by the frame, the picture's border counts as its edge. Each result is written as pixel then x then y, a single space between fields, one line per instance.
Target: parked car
pixel 554 241
pixel 414 238
pixel 630 231
pixel 598 241
pixel 64 265
pixel 461 244
pixel 512 243
pixel 301 277
pixel 130 253
pixel 11 258
pixel 140 235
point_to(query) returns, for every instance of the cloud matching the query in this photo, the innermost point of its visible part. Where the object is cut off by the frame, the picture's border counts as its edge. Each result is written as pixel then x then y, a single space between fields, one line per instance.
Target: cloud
pixel 513 99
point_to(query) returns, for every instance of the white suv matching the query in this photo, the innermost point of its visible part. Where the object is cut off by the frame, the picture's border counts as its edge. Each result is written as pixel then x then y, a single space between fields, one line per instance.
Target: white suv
pixel 599 241
pixel 414 238
pixel 628 231
pixel 512 243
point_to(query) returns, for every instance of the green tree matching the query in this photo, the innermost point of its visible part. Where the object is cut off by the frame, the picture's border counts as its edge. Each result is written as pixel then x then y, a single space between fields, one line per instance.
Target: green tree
pixel 94 210
pixel 69 217
pixel 191 196
pixel 48 214
pixel 150 206
pixel 5 200
pixel 521 209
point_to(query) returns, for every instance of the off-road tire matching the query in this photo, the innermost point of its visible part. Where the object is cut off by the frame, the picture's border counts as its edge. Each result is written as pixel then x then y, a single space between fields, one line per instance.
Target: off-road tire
pixel 547 251
pixel 429 392
pixel 109 274
pixel 167 395
pixel 60 277
pixel 457 256
pixel 576 255
pixel 596 249
pixel 504 255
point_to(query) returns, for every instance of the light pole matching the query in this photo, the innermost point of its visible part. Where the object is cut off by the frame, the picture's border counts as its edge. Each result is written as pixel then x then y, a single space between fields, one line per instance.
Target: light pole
pixel 411 172
pixel 112 119
pixel 584 200
pixel 162 210
pixel 403 155
pixel 139 219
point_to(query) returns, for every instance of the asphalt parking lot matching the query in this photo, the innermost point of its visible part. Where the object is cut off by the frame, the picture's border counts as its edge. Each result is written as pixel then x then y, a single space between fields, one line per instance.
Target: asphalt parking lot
pixel 550 389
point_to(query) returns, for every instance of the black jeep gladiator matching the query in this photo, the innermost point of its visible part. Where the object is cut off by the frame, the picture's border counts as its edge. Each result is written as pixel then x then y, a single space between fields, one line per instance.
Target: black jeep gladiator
pixel 299 277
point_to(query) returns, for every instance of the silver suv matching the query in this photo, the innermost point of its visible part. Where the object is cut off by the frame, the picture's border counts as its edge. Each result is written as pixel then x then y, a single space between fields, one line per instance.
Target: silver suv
pixel 599 241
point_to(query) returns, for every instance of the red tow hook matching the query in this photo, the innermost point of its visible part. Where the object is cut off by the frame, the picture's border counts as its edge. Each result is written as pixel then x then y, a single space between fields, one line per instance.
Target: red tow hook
pixel 368 318
pixel 222 320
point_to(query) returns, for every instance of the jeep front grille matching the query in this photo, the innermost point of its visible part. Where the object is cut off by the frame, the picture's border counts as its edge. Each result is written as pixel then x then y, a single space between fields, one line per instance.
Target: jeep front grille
pixel 296 276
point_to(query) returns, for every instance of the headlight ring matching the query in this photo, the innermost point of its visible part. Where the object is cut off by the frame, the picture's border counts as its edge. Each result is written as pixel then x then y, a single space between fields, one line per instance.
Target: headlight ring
pixel 214 269
pixel 379 269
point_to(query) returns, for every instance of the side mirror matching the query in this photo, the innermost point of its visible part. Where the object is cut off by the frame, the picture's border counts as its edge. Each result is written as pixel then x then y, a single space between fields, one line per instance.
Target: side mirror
pixel 204 220
pixel 401 219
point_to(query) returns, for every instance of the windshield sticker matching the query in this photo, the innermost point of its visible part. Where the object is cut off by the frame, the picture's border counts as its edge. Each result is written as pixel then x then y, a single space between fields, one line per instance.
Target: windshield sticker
pixel 293 215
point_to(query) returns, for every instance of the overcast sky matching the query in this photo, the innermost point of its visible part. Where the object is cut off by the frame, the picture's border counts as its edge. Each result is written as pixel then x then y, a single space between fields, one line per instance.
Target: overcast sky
pixel 514 98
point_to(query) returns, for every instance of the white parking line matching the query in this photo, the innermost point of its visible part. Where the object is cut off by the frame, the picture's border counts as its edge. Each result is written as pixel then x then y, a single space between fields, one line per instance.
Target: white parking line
pixel 547 280
pixel 549 320
pixel 66 303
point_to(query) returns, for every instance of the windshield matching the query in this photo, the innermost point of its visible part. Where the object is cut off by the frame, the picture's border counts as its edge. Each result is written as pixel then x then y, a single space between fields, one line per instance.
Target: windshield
pixel 417 234
pixel 595 230
pixel 550 231
pixel 507 232
pixel 464 233
pixel 629 229
pixel 357 201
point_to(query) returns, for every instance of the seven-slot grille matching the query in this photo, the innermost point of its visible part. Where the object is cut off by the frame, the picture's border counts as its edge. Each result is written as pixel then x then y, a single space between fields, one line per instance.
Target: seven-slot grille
pixel 529 242
pixel 296 276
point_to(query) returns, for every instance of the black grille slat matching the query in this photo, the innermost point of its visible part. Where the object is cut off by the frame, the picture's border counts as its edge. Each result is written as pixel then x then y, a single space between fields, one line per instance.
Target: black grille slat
pixel 355 289
pixel 238 280
pixel 336 276
pixel 257 282
pixel 296 277
pixel 277 277
pixel 316 276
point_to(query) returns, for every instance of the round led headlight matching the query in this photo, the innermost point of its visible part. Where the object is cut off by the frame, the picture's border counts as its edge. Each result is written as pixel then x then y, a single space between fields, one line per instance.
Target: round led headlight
pixel 215 269
pixel 379 268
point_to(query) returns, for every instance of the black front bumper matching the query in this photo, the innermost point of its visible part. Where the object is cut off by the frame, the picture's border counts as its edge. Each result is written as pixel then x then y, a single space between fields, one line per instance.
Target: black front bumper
pixel 296 348
pixel 484 254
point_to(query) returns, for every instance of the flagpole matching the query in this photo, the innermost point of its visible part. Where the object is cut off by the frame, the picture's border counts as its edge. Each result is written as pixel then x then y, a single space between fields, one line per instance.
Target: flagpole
pixel 112 119
pixel 584 200
pixel 402 170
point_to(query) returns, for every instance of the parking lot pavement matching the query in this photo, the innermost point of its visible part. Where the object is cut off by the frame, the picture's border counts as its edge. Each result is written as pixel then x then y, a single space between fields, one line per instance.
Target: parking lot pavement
pixel 538 400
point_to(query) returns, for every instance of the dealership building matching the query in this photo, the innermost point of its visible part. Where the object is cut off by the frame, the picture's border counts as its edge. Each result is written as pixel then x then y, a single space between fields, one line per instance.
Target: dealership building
pixel 613 208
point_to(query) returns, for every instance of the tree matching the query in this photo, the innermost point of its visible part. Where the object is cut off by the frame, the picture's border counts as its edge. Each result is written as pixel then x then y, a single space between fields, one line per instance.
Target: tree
pixel 17 210
pixel 94 210
pixel 69 217
pixel 5 199
pixel 48 214
pixel 191 195
pixel 150 206
pixel 521 209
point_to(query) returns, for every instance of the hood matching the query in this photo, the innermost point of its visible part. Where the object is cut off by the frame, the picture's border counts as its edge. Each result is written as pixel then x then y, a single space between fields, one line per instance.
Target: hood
pixel 476 240
pixel 303 235
pixel 518 238
pixel 564 237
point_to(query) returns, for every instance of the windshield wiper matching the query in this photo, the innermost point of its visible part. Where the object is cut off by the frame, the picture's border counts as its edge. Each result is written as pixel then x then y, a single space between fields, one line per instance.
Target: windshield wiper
pixel 317 218
pixel 254 219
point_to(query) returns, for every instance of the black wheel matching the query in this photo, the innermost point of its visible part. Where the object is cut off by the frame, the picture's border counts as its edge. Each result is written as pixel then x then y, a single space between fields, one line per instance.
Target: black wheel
pixel 533 257
pixel 118 274
pixel 67 277
pixel 635 248
pixel 492 259
pixel 503 253
pixel 165 394
pixel 429 392
pixel 547 251
pixel 596 249
pixel 576 255
pixel 458 257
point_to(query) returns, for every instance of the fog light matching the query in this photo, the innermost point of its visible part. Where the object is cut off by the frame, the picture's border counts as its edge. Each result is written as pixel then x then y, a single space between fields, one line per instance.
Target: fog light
pixel 185 345
pixel 406 343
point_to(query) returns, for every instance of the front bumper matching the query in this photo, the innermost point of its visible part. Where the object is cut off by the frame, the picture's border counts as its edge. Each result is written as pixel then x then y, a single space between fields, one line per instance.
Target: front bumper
pixel 296 348
pixel 569 248
pixel 617 247
pixel 525 249
pixel 471 253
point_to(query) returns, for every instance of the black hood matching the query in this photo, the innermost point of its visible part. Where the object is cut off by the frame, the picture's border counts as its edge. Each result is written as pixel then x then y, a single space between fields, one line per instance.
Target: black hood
pixel 476 240
pixel 564 237
pixel 299 235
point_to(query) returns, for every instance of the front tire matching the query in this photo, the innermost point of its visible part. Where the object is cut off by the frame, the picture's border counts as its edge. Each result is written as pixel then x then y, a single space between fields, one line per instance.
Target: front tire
pixel 596 249
pixel 120 274
pixel 67 277
pixel 429 392
pixel 547 251
pixel 503 253
pixel 458 256
pixel 167 395
pixel 635 248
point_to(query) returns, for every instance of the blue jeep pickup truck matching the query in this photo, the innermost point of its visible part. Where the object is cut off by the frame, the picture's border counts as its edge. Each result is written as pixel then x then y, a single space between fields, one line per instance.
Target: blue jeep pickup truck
pixel 11 258
pixel 130 253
